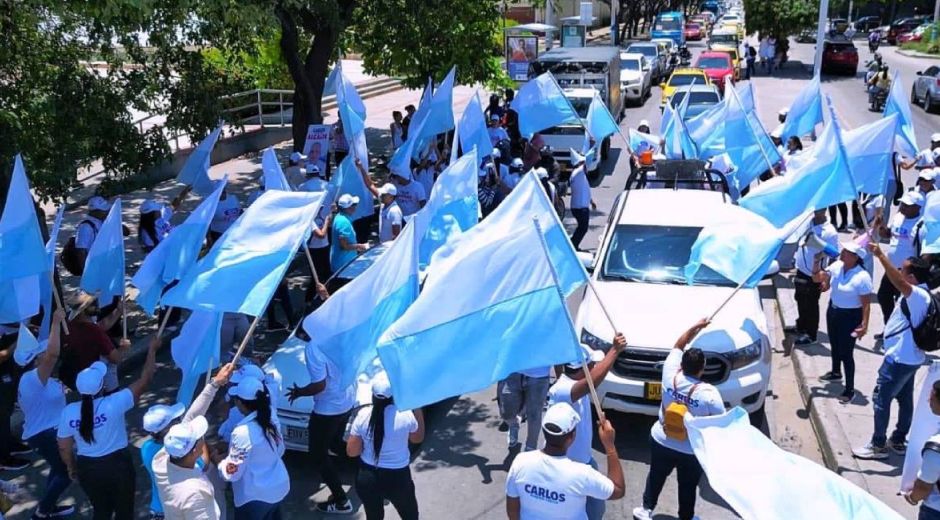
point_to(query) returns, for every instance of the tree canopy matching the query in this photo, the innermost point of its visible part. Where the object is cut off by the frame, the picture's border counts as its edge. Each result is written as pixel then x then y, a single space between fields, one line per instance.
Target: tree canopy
pixel 780 18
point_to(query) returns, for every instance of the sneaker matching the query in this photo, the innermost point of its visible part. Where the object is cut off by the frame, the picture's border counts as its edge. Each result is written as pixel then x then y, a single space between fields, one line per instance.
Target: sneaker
pixel 334 507
pixel 512 436
pixel 503 426
pixel 641 513
pixel 847 396
pixel 830 376
pixel 19 448
pixel 12 463
pixel 870 452
pixel 898 447
pixel 804 340
pixel 55 513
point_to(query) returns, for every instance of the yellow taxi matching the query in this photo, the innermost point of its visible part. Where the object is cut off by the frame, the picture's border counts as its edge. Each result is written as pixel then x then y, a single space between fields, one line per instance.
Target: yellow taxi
pixel 735 58
pixel 681 78
pixel 737 27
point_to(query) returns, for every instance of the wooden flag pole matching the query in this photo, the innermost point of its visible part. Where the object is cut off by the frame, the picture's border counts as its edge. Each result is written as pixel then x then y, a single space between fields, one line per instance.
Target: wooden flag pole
pixel 166 318
pixel 124 316
pixel 246 339
pixel 313 268
pixel 58 301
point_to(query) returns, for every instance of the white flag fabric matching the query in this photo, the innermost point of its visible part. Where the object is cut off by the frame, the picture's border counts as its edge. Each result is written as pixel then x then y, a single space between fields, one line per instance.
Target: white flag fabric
pixel 761 481
pixel 923 426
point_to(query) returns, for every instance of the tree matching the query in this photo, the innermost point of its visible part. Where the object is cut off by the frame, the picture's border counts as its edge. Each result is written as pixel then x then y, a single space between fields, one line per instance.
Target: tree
pixel 780 18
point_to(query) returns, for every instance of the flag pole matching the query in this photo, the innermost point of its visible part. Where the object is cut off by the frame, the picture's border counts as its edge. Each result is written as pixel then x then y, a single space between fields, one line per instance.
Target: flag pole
pixel 561 296
pixel 313 269
pixel 58 300
pixel 601 304
pixel 246 339
pixel 166 318
pixel 770 166
pixel 124 316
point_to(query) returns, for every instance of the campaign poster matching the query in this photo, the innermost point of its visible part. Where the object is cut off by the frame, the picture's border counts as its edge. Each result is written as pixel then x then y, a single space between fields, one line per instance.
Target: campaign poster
pixel 317 146
pixel 520 51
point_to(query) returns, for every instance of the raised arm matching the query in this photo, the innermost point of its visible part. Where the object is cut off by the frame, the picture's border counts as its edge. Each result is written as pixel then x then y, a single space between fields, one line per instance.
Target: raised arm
pixel 202 402
pixel 417 436
pixel 150 366
pixel 600 370
pixel 366 178
pixel 175 203
pixel 690 334
pixel 51 357
pixel 894 276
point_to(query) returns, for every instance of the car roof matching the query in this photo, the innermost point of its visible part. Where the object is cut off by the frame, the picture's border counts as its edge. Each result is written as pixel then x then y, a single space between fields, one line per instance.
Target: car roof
pixel 724 32
pixel 690 71
pixel 631 56
pixel 579 92
pixel 642 44
pixel 667 207
pixel 697 88
pixel 574 54
pixel 715 54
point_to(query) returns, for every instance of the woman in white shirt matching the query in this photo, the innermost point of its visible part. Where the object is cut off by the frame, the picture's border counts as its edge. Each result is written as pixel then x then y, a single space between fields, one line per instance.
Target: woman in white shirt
pixel 847 316
pixel 42 399
pixel 396 130
pixel 380 436
pixel 96 426
pixel 253 464
pixel 154 224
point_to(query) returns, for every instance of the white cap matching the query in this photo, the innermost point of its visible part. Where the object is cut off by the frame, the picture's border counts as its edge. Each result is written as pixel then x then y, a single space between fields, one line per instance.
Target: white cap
pixel 935 137
pixel 783 112
pixel 182 438
pixel 297 157
pixel 644 122
pixel 247 389
pixel 90 380
pixel 346 201
pixel 159 416
pixel 98 203
pixel 927 174
pixel 381 387
pixel 560 419
pixel 245 371
pixel 541 173
pixel 853 247
pixel 388 189
pixel 574 157
pixel 312 170
pixel 912 198
pixel 149 206
pixel 516 163
pixel 27 347
pixel 589 355
pixel 496 153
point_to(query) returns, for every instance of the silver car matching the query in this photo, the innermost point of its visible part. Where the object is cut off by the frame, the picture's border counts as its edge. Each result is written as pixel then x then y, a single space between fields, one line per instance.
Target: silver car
pixel 926 88
pixel 635 77
pixel 653 56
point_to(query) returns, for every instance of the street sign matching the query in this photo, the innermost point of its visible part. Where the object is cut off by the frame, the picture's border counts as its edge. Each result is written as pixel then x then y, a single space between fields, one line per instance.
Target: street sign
pixel 573 35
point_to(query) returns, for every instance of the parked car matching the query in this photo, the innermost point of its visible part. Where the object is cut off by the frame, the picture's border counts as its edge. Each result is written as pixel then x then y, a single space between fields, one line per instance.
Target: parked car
pixel 806 36
pixel 902 26
pixel 701 20
pixel 653 56
pixel 717 66
pixel 635 78
pixel 701 98
pixel 682 78
pixel 867 23
pixel 840 55
pixel 668 54
pixel 724 38
pixel 916 35
pixel 693 32
pixel 838 25
pixel 709 17
pixel 926 88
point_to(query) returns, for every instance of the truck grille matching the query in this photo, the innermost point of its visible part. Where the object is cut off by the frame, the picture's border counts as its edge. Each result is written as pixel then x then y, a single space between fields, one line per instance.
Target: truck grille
pixel 646 364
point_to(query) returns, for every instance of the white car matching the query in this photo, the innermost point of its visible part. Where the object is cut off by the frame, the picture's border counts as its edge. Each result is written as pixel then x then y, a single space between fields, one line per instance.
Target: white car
pixel 638 273
pixel 570 134
pixel 635 77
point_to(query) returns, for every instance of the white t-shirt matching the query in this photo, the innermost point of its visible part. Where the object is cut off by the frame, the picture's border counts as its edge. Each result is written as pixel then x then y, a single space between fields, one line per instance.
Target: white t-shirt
pixel 902 239
pixel 389 217
pixel 162 225
pixel 554 487
pixel 930 473
pixel 226 213
pixel 260 473
pixel 580 189
pixel 924 159
pixel 899 343
pixel 704 401
pixel 319 243
pixel 560 392
pixel 804 254
pixel 42 405
pixel 848 287
pixel 312 185
pixel 398 425
pixel 497 134
pixel 334 399
pixel 110 427
pixel 410 196
pixel 426 178
pixel 85 233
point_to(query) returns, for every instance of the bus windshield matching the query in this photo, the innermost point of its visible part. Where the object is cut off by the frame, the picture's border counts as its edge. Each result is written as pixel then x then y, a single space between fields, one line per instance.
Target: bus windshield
pixel 668 24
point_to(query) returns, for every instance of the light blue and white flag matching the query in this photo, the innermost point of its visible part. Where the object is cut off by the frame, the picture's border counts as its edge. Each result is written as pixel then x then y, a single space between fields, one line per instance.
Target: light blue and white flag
pixel 898 103
pixel 21 248
pixel 245 266
pixel 870 149
pixel 175 254
pixel 195 171
pixel 745 93
pixel 755 476
pixel 329 86
pixel 453 206
pixel 196 350
pixel 104 266
pixel 347 179
pixel 805 112
pixel 491 308
pixel 639 139
pixel 600 124
pixel 746 142
pixel 351 108
pixel 542 104
pixel 271 172
pixel 930 245
pixel 440 116
pixel 677 141
pixel 472 129
pixel 45 282
pixel 19 298
pixel 400 163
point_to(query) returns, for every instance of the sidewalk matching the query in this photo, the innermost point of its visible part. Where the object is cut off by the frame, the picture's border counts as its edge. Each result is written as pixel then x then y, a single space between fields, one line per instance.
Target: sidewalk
pixel 917 54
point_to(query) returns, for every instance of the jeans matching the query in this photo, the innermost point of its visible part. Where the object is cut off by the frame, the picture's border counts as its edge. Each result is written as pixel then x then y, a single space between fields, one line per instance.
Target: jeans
pixel 928 513
pixel 323 429
pixel 7 400
pixel 887 297
pixel 840 324
pixel 109 482
pixel 895 381
pixel 595 507
pixel 46 445
pixel 234 329
pixel 688 471
pixel 749 70
pixel 258 510
pixel 374 485
pixel 807 305
pixel 519 391
pixel 583 217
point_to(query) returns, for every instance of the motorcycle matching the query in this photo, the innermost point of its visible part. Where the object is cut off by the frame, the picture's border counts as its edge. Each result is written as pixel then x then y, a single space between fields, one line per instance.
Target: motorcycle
pixel 685 56
pixel 873 46
pixel 877 100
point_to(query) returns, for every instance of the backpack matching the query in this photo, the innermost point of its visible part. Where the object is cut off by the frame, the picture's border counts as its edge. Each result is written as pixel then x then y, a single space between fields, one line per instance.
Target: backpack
pixel 916 234
pixel 927 334
pixel 751 52
pixel 674 416
pixel 69 256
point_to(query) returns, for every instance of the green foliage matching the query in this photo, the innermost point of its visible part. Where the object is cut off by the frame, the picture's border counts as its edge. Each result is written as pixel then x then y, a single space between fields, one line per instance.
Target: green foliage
pixel 926 45
pixel 780 18
pixel 262 67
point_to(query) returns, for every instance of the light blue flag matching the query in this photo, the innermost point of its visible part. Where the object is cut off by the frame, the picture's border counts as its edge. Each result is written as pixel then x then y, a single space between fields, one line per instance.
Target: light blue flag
pixel 351 108
pixel 472 129
pixel 824 179
pixel 541 104
pixel 195 171
pixel 453 206
pixel 329 86
pixel 45 282
pixel 271 172
pixel 400 162
pixel 491 308
pixel 870 149
pixel 638 139
pixel 175 254
pixel 347 326
pixel 19 298
pixel 196 350
pixel 440 117
pixel 746 95
pixel 677 141
pixel 245 266
pixel 600 123
pixel 898 103
pixel 805 112
pixel 21 249
pixel 104 265
pixel 347 179
pixel 746 143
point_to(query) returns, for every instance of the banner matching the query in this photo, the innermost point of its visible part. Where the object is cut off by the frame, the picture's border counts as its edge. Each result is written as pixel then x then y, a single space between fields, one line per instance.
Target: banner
pixel 317 146
pixel 520 52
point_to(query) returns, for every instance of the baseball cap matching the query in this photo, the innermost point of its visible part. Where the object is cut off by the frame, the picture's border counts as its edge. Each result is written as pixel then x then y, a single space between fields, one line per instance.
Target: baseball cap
pixel 159 416
pixel 149 206
pixel 516 163
pixel 588 354
pixel 346 201
pixel 560 419
pixel 496 153
pixel 644 122
pixel 783 112
pixel 27 347
pixel 853 247
pixel 247 389
pixel 935 137
pixel 927 175
pixel 312 170
pixel 541 173
pixel 182 438
pixel 296 157
pixel 90 380
pixel 912 198
pixel 381 387
pixel 388 189
pixel 245 371
pixel 98 203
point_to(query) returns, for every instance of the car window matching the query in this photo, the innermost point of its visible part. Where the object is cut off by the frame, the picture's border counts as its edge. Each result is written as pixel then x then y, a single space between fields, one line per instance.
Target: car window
pixel 698 98
pixel 932 71
pixel 668 24
pixel 646 50
pixel 630 64
pixel 713 62
pixel 679 80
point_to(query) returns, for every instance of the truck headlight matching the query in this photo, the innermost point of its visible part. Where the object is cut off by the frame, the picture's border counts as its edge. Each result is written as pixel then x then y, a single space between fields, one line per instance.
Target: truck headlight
pixel 595 342
pixel 744 356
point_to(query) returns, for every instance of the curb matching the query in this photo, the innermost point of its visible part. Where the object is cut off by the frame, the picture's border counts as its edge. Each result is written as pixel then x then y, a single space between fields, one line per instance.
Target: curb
pixel 918 54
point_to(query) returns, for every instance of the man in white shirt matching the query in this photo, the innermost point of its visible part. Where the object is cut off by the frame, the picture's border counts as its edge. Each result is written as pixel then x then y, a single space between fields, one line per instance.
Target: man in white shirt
pixel 807 291
pixel 87 229
pixel 184 488
pixel 902 355
pixel 684 392
pixel 390 217
pixel 926 158
pixel 926 486
pixel 411 196
pixel 547 484
pixel 581 202
pixel 496 131
pixel 901 232
pixel 314 180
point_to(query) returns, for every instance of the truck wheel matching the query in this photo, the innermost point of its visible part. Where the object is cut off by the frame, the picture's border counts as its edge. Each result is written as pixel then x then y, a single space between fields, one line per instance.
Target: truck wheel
pixel 913 95
pixel 605 148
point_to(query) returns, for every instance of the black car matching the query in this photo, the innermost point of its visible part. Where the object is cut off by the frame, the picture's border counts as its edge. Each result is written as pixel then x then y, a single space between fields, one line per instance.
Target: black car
pixel 867 23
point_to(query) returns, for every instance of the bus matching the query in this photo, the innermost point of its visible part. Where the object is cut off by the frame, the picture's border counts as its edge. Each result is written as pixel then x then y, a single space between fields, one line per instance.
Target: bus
pixel 670 24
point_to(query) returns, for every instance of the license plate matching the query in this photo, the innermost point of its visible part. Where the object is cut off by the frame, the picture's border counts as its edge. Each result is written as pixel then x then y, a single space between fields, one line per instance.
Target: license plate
pixel 653 391
pixel 298 435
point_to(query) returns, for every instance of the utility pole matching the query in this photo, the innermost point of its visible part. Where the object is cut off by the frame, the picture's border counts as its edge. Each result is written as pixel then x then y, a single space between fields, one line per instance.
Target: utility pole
pixel 821 35
pixel 936 19
pixel 615 26
pixel 549 19
pixel 851 4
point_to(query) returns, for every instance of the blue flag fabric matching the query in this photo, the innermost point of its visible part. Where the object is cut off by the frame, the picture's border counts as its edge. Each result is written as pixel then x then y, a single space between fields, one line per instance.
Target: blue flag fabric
pixel 400 162
pixel 638 139
pixel 870 149
pixel 600 123
pixel 329 86
pixel 351 108
pixel 491 308
pixel 677 141
pixel 898 103
pixel 347 179
pixel 195 171
pixel 104 265
pixel 22 252
pixel 746 143
pixel 541 104
pixel 45 282
pixel 245 266
pixel 472 129
pixel 19 298
pixel 440 116
pixel 271 172
pixel 196 350
pixel 453 206
pixel 805 112
pixel 176 253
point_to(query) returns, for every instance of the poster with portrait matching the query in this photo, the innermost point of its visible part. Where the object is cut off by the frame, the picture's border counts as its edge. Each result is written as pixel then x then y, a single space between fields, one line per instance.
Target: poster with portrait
pixel 317 146
pixel 520 51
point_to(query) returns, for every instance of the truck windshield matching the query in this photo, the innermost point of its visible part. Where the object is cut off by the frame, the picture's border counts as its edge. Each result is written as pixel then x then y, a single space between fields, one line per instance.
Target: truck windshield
pixel 581 105
pixel 655 254
pixel 668 24
pixel 629 64
pixel 646 50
